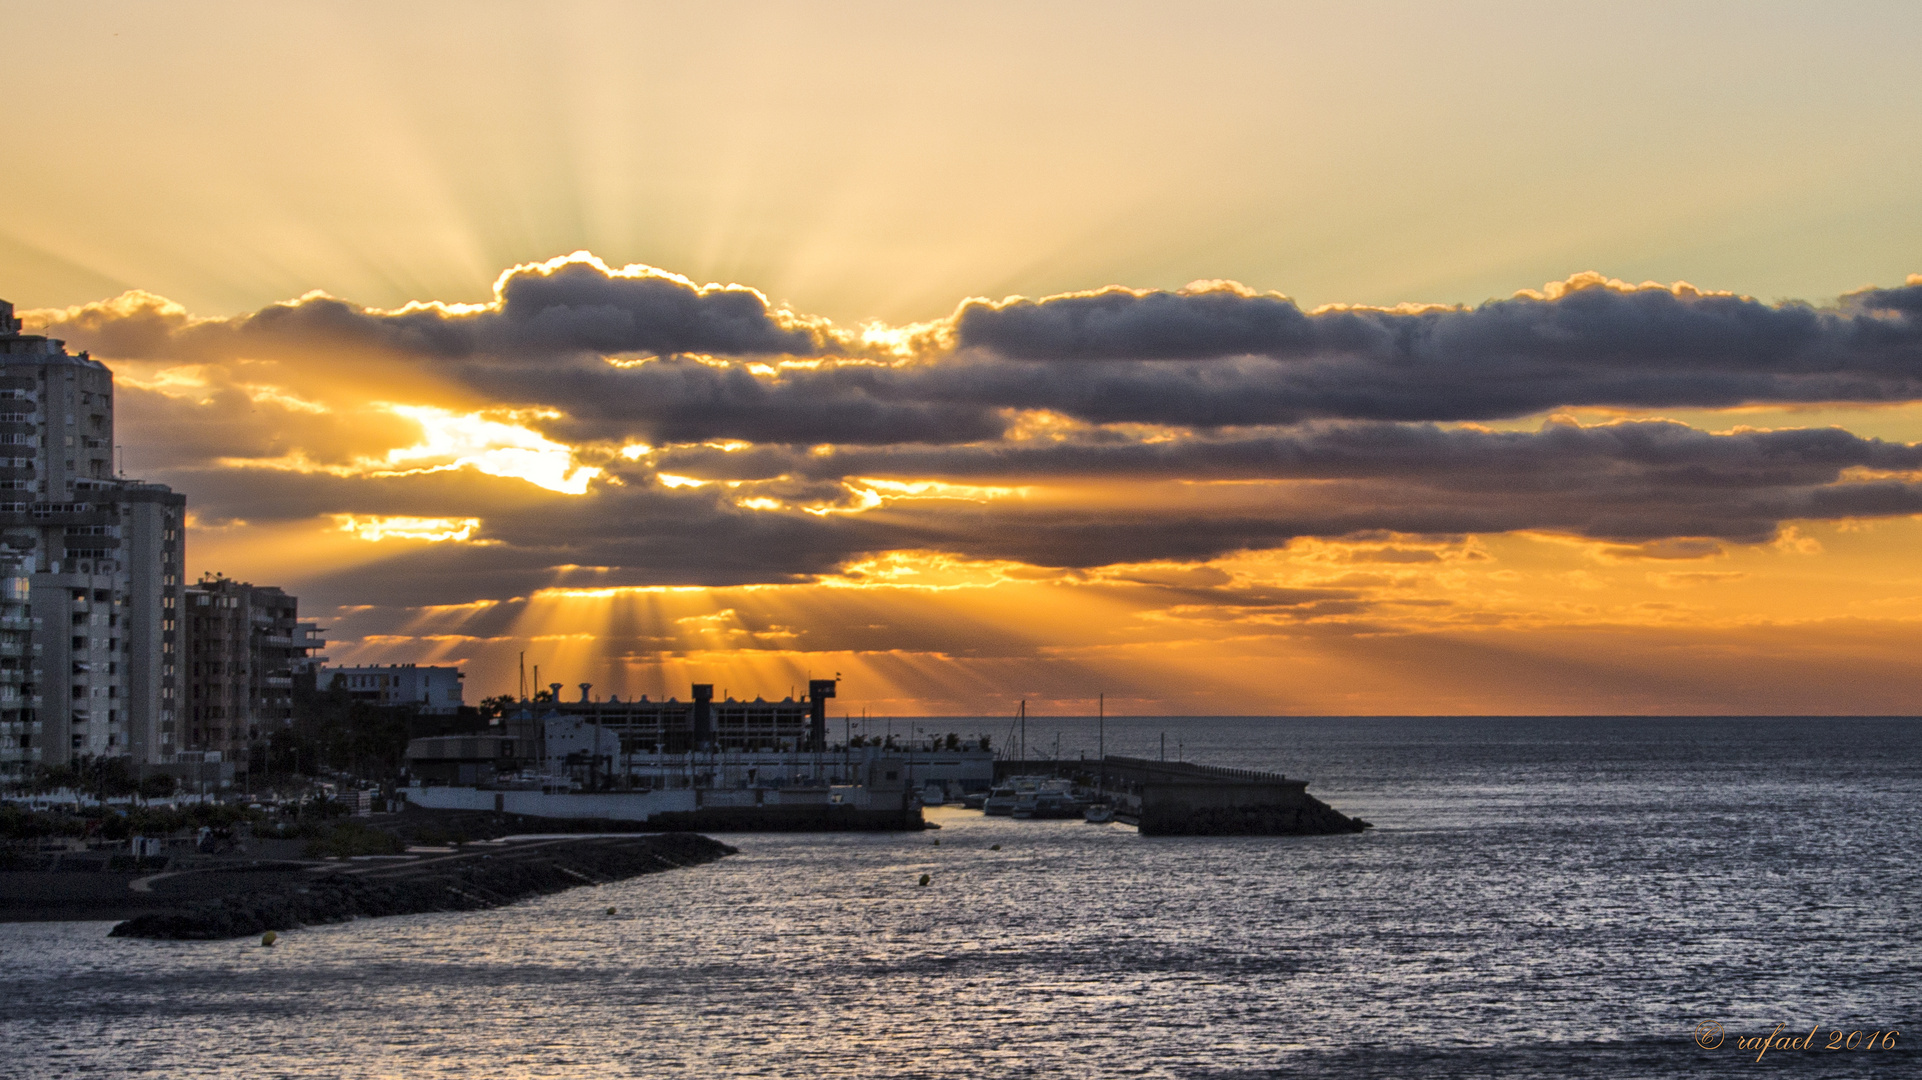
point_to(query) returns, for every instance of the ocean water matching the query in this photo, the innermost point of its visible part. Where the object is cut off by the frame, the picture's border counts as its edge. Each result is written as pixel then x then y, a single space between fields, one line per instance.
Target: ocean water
pixel 1540 898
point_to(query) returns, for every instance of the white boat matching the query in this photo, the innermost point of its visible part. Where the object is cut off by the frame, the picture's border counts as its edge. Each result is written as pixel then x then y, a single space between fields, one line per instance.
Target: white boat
pixel 1000 801
pixel 1098 814
pixel 1012 792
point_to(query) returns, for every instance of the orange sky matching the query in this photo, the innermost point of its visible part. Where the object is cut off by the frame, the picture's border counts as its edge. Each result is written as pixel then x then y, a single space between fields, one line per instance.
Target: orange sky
pixel 1358 373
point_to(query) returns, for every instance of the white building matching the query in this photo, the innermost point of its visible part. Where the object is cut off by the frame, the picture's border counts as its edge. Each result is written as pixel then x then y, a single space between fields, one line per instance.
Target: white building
pixel 437 690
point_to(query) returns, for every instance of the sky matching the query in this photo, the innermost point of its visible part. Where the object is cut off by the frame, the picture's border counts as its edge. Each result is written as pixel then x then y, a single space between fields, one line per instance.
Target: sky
pixel 1221 359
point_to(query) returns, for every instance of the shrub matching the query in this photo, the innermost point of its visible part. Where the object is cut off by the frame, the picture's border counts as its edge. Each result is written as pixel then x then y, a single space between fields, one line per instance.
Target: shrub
pixel 348 838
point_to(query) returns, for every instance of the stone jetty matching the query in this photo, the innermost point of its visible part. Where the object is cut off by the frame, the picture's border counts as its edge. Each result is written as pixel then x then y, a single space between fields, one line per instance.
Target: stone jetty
pixel 480 876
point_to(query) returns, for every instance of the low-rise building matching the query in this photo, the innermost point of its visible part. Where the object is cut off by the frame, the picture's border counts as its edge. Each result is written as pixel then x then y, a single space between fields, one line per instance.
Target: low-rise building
pixel 436 691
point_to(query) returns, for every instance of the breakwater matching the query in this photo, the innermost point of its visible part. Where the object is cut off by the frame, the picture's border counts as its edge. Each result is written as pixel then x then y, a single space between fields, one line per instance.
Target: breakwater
pixel 465 881
pixel 1178 798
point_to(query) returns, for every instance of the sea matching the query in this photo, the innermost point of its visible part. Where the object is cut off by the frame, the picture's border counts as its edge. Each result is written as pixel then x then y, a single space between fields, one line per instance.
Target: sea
pixel 1539 897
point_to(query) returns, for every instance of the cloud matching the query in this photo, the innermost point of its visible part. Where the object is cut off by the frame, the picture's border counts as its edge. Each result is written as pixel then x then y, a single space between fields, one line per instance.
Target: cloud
pixel 1129 324
pixel 1225 355
pixel 1671 453
pixel 567 305
pixel 1653 490
pixel 674 433
pixel 642 353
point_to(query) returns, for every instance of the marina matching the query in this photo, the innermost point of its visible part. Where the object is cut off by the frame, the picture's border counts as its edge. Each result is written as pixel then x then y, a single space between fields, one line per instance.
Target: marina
pixel 671 765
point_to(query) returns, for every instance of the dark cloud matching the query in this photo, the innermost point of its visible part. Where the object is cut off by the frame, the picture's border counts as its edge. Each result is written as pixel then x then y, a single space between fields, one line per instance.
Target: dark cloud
pixel 1632 484
pixel 1661 453
pixel 675 399
pixel 1210 359
pixel 1586 320
pixel 560 307
pixel 1121 324
pixel 1226 357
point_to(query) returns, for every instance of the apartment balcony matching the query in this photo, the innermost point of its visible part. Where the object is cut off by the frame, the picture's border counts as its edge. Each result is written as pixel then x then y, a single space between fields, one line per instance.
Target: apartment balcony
pixel 16 622
pixel 54 514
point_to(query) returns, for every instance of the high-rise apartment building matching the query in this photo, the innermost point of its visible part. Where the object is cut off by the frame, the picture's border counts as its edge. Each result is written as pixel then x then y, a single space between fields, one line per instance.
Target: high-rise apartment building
pixel 244 646
pixel 103 556
pixel 22 738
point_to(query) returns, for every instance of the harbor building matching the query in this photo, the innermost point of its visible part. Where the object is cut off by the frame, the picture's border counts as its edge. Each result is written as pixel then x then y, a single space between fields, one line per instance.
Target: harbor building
pixel 103 555
pixel 436 691
pixel 245 645
pixel 673 726
pixel 637 758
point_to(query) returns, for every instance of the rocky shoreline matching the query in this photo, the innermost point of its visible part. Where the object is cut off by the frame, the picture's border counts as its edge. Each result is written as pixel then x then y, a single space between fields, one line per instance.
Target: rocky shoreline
pixel 484 877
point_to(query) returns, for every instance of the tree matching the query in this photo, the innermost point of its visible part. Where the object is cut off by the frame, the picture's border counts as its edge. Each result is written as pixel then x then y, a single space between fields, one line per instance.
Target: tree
pixel 498 706
pixel 157 786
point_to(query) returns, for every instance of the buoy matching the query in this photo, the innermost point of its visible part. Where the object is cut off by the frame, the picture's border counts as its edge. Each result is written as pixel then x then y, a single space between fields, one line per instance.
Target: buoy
pixel 611 911
pixel 925 878
pixel 937 841
pixel 267 939
pixel 995 847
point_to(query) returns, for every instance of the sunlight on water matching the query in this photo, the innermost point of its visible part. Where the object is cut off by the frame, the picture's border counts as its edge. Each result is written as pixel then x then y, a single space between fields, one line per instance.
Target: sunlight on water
pixel 1542 898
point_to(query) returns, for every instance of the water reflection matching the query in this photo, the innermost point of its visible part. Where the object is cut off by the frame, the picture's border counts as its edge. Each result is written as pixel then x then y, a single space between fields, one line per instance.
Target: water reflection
pixel 1567 902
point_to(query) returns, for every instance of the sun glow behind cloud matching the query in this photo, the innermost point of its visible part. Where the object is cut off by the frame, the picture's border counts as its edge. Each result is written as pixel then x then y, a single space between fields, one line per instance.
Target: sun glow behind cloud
pixel 494 443
pixel 376 529
pixel 1312 628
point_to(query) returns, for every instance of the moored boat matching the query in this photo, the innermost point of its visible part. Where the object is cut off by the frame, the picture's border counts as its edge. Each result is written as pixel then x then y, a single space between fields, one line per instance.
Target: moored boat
pixel 1001 801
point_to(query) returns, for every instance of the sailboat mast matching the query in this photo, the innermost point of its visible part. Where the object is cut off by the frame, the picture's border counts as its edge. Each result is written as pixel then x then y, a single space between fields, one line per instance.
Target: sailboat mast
pixel 1101 738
